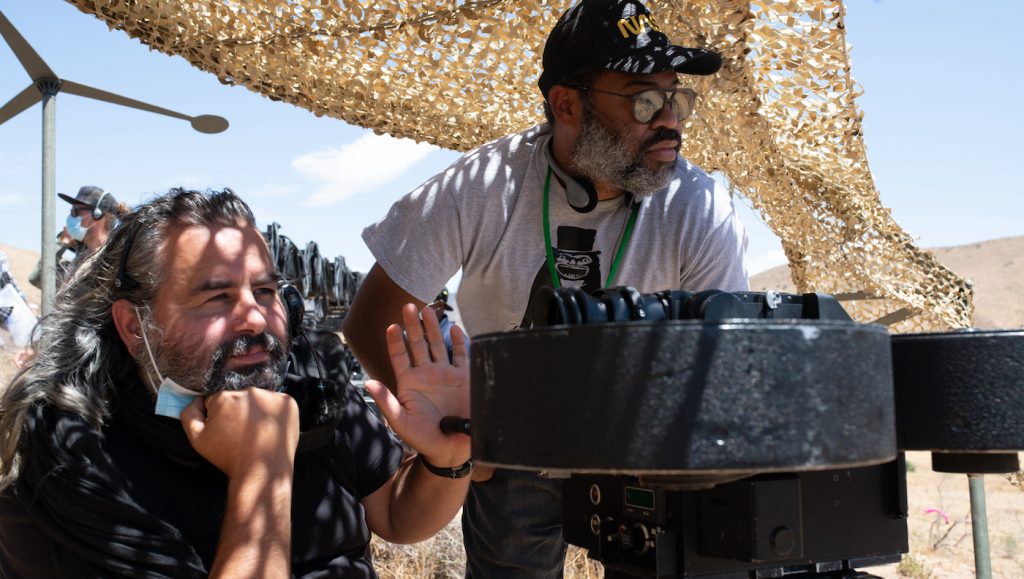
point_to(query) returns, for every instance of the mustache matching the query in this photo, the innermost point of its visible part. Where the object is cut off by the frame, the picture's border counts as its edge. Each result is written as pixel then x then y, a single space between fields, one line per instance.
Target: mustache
pixel 664 134
pixel 244 343
pixel 269 374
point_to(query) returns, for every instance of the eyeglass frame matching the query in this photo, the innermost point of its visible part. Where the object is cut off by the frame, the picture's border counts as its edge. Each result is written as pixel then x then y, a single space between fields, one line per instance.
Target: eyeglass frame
pixel 667 94
pixel 75 209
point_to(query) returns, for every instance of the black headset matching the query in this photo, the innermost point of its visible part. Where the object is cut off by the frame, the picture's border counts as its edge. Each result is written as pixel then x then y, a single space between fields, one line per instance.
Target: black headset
pixel 579 193
pixel 97 213
pixel 295 309
pixel 294 306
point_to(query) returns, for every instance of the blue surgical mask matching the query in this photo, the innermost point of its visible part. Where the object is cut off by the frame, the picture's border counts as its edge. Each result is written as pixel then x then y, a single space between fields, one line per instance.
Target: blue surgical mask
pixel 171 399
pixel 75 229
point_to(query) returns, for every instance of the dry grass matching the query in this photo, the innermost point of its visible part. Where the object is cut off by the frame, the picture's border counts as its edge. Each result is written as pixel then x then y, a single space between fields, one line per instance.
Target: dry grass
pixel 442 557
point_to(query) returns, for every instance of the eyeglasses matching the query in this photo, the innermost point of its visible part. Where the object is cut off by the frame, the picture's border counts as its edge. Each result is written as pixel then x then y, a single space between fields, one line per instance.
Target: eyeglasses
pixel 76 211
pixel 648 103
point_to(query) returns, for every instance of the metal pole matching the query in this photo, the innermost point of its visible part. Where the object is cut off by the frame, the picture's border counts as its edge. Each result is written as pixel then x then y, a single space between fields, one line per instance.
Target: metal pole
pixel 979 525
pixel 49 88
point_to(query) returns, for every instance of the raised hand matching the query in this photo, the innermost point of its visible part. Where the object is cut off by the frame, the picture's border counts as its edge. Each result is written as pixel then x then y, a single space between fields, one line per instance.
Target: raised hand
pixel 428 387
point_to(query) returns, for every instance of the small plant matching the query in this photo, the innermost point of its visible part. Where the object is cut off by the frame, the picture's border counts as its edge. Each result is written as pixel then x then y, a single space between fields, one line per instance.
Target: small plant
pixel 1009 547
pixel 937 536
pixel 911 467
pixel 911 567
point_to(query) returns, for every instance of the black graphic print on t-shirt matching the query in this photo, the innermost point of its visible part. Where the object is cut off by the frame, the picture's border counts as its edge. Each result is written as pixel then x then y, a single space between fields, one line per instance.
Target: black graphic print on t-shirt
pixel 576 263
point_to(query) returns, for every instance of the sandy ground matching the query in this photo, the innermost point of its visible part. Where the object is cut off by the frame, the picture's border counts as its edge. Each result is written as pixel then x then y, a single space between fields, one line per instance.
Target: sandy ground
pixel 944 549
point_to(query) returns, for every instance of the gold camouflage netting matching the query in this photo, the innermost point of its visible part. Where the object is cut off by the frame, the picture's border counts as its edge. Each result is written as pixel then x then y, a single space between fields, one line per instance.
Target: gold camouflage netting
pixel 780 120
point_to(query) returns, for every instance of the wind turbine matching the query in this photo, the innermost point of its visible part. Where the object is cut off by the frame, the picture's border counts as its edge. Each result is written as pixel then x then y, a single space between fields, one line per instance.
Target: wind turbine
pixel 44 87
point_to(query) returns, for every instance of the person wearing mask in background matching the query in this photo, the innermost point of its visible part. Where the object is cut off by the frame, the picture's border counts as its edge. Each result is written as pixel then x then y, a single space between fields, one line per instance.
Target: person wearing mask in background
pixel 441 308
pixel 94 212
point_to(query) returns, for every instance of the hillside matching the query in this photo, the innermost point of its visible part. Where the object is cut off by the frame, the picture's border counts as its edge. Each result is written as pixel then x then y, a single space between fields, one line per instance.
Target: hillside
pixel 996 267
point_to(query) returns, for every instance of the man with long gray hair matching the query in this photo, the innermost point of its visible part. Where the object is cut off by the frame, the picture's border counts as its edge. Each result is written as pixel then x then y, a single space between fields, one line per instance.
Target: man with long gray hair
pixel 159 432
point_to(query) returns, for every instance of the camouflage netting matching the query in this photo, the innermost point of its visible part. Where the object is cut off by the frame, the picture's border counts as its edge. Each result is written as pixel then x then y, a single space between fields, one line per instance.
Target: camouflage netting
pixel 780 120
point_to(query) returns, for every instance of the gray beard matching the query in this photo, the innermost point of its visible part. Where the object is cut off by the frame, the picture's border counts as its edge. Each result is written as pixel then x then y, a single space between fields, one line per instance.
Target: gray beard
pixel 604 157
pixel 208 376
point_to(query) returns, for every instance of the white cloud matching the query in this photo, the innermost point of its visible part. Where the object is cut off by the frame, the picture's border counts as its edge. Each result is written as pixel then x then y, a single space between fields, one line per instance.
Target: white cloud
pixel 369 162
pixel 11 199
pixel 766 261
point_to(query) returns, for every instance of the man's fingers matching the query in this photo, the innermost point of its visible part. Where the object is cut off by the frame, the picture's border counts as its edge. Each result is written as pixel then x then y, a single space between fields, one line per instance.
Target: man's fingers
pixel 435 341
pixel 386 402
pixel 460 347
pixel 400 361
pixel 414 333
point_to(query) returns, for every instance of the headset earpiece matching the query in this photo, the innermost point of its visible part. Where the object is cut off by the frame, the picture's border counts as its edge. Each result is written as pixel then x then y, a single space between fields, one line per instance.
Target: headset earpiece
pixel 580 193
pixel 97 212
pixel 295 307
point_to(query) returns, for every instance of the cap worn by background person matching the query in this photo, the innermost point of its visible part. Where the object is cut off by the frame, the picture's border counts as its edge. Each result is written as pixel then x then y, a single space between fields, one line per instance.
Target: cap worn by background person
pixel 619 35
pixel 89 196
pixel 443 298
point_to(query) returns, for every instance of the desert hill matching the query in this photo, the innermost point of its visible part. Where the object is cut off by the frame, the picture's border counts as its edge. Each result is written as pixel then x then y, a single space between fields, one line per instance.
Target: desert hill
pixel 996 267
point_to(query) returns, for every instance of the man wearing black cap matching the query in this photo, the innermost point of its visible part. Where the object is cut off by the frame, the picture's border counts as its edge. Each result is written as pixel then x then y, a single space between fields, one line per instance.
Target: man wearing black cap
pixel 441 308
pixel 596 197
pixel 93 214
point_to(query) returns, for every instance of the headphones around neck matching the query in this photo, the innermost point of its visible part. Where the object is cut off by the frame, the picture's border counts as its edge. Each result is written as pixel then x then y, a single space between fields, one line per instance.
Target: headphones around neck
pixel 97 213
pixel 579 193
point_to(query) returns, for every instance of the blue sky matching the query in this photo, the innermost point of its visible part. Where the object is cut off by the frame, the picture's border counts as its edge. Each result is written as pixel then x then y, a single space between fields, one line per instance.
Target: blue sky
pixel 942 124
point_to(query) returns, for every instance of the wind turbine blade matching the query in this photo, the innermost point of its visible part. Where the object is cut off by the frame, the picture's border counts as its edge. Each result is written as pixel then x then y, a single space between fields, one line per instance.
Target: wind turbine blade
pixel 202 123
pixel 30 60
pixel 102 95
pixel 20 102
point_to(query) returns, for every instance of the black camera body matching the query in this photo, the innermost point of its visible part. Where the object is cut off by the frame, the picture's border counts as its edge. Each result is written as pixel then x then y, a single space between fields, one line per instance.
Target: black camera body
pixel 738 435
pixel 747 434
pixel 817 523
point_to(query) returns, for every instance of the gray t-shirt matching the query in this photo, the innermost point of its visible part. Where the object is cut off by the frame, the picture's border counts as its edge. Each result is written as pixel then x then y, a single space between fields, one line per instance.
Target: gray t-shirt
pixel 484 214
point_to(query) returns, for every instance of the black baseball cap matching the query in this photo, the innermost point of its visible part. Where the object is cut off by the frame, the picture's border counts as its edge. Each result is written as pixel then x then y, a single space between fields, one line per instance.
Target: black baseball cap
pixel 618 35
pixel 89 196
pixel 443 298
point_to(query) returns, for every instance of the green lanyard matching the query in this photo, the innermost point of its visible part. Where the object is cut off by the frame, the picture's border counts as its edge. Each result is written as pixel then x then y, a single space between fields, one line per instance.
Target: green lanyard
pixel 551 252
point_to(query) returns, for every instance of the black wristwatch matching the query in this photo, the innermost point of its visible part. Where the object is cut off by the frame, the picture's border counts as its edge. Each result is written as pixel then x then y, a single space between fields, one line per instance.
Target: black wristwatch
pixel 452 472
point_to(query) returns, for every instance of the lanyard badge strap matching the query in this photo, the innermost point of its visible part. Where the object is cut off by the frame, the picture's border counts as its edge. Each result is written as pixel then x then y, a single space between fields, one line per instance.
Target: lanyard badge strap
pixel 626 235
